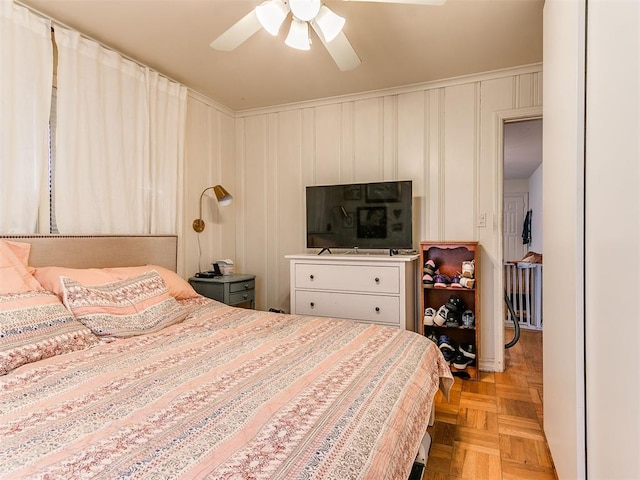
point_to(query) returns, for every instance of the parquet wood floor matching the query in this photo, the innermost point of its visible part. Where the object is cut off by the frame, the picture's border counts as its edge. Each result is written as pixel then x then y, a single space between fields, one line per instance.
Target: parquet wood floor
pixel 492 429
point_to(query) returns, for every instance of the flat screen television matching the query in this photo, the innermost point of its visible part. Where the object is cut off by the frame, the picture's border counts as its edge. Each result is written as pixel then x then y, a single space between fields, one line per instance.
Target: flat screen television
pixel 360 215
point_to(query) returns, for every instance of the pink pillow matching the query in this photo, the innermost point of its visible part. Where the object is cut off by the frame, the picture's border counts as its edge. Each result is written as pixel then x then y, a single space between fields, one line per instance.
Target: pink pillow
pixel 35 325
pixel 14 276
pixel 124 308
pixel 178 287
pixel 21 250
pixel 49 277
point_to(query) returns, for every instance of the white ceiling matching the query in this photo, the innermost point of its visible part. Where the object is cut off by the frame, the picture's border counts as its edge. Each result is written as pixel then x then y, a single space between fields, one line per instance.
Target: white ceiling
pixel 522 148
pixel 398 44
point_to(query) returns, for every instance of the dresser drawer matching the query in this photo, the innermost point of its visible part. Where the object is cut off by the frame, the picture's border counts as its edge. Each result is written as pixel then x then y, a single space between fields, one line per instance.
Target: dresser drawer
pixel 370 279
pixel 374 308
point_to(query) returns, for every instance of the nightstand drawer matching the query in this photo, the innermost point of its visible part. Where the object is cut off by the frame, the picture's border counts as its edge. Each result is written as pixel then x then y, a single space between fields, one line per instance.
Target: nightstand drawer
pixel 242 286
pixel 241 297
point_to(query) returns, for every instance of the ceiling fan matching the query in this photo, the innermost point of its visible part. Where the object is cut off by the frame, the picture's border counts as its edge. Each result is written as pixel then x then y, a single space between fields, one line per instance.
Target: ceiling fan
pixel 271 14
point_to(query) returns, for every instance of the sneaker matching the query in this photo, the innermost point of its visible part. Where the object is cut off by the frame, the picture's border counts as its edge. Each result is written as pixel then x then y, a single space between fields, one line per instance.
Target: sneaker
pixel 441 281
pixel 429 314
pixel 468 319
pixel 467 282
pixel 455 282
pixel 441 316
pixel 455 304
pixel 433 337
pixel 445 343
pixel 468 269
pixel 430 267
pixel 427 280
pixel 466 356
pixel 449 355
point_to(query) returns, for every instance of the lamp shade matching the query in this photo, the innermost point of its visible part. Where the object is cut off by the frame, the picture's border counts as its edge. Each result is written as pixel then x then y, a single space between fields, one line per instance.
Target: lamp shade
pixel 329 23
pixel 224 197
pixel 271 14
pixel 298 35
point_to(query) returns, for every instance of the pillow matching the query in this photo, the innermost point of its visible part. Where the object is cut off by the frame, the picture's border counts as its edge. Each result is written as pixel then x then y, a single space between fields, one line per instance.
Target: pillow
pixel 35 325
pixel 20 250
pixel 178 287
pixel 14 276
pixel 49 277
pixel 125 308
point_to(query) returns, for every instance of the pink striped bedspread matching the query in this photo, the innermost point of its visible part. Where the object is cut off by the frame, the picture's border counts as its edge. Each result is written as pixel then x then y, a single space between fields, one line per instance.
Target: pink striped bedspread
pixel 227 394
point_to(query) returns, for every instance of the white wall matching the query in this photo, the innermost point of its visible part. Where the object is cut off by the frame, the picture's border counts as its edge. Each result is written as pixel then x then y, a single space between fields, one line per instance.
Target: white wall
pixel 537 213
pixel 612 240
pixel 563 154
pixel 442 136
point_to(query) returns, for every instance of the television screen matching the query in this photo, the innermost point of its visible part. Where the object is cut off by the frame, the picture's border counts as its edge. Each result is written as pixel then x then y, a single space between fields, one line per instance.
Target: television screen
pixel 363 215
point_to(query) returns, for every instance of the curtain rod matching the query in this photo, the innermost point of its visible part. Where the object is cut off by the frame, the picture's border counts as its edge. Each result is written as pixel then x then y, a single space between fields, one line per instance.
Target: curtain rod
pixel 57 23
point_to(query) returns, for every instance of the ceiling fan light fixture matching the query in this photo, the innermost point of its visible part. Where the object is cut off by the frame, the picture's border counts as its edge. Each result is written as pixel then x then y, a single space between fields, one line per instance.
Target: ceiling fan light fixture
pixel 271 14
pixel 305 10
pixel 298 36
pixel 330 23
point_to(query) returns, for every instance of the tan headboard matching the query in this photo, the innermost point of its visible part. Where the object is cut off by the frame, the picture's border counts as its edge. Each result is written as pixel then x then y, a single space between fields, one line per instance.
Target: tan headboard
pixel 100 251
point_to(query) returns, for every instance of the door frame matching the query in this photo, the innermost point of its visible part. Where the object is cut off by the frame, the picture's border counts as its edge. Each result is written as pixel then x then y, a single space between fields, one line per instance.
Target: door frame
pixel 500 118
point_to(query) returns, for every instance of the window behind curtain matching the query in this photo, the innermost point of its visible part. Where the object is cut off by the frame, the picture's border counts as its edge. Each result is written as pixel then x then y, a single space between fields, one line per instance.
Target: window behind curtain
pixel 53 227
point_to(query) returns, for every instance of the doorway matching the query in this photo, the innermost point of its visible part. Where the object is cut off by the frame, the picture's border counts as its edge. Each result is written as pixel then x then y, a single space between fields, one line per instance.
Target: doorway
pixel 522 223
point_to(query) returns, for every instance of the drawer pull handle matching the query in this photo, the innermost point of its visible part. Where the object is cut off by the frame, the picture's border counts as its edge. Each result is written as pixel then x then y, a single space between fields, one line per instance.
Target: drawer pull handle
pixel 246 286
pixel 311 277
pixel 312 304
pixel 377 280
pixel 377 309
pixel 245 296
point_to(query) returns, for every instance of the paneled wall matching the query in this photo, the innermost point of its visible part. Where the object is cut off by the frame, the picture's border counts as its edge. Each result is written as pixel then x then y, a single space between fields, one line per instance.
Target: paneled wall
pixel 442 136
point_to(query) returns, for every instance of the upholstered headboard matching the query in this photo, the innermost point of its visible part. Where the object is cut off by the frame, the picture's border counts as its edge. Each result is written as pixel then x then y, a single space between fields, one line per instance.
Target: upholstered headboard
pixel 100 251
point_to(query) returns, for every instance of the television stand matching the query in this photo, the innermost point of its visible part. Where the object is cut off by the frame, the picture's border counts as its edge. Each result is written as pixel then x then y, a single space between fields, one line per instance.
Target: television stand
pixel 325 249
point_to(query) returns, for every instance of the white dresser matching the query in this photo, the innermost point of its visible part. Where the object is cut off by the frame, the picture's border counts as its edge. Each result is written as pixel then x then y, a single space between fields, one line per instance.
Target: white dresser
pixel 369 288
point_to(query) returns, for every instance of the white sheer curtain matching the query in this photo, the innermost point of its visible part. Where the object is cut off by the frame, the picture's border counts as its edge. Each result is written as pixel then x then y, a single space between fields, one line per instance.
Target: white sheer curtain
pixel 26 71
pixel 167 121
pixel 119 142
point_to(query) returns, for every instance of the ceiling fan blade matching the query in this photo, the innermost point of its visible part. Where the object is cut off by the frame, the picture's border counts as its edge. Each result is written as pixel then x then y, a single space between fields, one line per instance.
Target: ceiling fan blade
pixel 406 2
pixel 238 33
pixel 340 50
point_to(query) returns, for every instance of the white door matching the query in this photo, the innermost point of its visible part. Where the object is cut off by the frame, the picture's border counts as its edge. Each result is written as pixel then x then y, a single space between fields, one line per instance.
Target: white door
pixel 515 206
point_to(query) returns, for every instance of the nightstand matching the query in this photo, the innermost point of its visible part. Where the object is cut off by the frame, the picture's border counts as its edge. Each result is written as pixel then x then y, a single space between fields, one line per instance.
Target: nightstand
pixel 236 289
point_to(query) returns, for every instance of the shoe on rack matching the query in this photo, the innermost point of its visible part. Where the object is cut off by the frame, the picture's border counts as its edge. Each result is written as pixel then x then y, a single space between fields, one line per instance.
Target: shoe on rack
pixel 467 282
pixel 468 319
pixel 466 356
pixel 445 343
pixel 441 316
pixel 449 355
pixel 427 280
pixel 430 267
pixel 468 269
pixel 433 337
pixel 455 304
pixel 441 281
pixel 429 315
pixel 455 282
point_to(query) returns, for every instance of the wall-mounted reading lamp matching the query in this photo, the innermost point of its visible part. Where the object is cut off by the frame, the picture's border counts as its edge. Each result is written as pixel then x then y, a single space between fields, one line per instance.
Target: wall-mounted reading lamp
pixel 224 199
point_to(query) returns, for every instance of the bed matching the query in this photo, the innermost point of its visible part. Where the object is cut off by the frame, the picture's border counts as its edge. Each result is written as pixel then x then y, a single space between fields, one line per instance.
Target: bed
pixel 185 387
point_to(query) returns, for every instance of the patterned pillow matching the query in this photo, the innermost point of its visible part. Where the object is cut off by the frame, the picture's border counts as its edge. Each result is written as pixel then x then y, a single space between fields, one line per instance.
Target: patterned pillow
pixel 35 325
pixel 125 308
